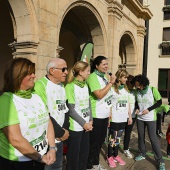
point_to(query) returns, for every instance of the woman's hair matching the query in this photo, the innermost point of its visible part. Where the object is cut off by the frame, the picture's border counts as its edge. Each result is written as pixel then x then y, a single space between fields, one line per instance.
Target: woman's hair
pixel 97 62
pixel 142 80
pixel 130 81
pixel 119 74
pixel 15 71
pixel 74 71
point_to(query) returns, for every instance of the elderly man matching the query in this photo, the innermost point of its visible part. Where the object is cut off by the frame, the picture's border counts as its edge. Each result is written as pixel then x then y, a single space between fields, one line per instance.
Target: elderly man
pixel 52 92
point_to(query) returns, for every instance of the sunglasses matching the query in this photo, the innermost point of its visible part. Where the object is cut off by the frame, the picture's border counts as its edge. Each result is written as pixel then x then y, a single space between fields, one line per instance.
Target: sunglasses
pixel 62 69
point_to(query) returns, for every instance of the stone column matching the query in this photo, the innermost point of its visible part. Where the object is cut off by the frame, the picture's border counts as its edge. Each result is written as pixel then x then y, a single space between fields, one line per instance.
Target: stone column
pixel 114 16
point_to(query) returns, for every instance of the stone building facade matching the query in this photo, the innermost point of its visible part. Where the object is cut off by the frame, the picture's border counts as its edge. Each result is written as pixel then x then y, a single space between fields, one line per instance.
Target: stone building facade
pixel 45 29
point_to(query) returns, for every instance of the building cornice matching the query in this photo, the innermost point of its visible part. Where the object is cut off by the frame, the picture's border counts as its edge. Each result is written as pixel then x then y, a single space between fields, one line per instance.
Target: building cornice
pixel 138 9
pixel 115 8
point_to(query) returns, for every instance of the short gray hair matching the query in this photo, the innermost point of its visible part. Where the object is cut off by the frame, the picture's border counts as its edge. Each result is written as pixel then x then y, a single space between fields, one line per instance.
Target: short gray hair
pixel 51 64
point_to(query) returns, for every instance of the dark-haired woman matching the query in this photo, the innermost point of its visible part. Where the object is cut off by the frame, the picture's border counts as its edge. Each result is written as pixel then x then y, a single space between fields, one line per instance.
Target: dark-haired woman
pixel 100 96
pixel 148 99
pixel 25 128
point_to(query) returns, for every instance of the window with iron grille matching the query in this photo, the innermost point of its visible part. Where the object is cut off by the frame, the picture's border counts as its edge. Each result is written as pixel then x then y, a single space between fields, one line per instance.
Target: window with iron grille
pixel 166 2
pixel 166 41
pixel 166 15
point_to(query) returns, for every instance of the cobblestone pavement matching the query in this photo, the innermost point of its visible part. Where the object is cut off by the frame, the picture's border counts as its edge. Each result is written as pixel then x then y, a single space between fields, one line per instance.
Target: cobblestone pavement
pixel 149 163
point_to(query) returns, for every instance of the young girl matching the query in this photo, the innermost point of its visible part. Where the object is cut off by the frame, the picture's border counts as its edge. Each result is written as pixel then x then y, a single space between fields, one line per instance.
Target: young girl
pixel 128 128
pixel 120 113
pixel 80 116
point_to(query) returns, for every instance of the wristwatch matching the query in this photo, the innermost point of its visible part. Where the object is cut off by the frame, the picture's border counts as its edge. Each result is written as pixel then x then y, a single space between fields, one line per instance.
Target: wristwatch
pixel 53 148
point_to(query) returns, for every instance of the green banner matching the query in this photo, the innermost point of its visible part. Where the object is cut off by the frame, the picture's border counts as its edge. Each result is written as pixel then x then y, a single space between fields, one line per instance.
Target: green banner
pixel 87 52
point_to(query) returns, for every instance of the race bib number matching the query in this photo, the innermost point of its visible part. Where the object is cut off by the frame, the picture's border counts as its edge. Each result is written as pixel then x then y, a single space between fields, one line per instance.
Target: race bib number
pixel 109 101
pixel 40 144
pixel 122 105
pixel 61 105
pixel 85 112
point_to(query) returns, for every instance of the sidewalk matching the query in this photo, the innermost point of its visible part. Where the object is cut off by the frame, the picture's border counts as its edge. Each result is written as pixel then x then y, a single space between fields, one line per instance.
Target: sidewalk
pixel 149 163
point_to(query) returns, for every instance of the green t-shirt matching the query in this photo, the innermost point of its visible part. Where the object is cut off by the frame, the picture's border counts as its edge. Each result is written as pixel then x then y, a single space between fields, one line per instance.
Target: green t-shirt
pixel 32 117
pixel 100 107
pixel 80 98
pixel 163 108
pixel 147 100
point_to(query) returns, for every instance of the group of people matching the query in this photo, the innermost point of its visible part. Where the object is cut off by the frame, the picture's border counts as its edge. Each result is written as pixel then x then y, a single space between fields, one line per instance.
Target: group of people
pixel 35 119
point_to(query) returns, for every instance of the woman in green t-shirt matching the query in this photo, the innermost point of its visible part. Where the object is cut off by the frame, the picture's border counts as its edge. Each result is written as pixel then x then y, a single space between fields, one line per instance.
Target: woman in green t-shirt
pixel 25 128
pixel 100 96
pixel 80 116
pixel 148 99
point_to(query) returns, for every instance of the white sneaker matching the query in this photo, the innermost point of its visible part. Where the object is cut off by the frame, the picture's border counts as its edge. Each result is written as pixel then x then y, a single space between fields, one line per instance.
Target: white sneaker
pixel 99 167
pixel 127 153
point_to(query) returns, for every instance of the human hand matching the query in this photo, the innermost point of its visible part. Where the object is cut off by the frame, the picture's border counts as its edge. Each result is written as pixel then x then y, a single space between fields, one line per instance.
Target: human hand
pixel 44 159
pixel 137 111
pixel 144 112
pixel 130 121
pixel 112 79
pixel 51 156
pixel 65 136
pixel 91 122
pixel 88 126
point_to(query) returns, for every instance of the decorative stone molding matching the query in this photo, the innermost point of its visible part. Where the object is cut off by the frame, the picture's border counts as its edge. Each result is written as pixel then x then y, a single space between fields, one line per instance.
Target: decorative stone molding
pixel 138 9
pixel 24 48
pixel 59 48
pixel 141 31
pixel 115 8
pixel 166 8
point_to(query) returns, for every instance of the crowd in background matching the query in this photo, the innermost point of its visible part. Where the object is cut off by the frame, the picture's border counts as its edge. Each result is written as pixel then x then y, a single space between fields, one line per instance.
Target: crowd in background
pixel 38 120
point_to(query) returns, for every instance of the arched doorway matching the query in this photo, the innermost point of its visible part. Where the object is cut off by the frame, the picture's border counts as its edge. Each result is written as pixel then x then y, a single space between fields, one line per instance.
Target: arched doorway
pixel 6 36
pixel 127 53
pixel 79 26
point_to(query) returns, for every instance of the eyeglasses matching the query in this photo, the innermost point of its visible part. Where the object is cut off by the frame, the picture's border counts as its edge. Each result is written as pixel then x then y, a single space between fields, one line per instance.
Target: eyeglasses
pixel 62 69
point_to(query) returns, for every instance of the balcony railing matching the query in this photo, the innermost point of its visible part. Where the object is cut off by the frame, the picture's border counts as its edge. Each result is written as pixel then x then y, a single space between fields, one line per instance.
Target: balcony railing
pixel 166 8
pixel 165 47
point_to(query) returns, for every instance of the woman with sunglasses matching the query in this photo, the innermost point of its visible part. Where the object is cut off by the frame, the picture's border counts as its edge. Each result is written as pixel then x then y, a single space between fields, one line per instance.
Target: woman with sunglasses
pixel 80 116
pixel 148 99
pixel 119 115
pixel 25 128
pixel 100 97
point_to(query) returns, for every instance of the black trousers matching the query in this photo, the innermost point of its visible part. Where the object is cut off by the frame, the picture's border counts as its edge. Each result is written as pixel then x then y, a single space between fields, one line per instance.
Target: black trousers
pixel 97 137
pixel 159 123
pixel 127 132
pixel 78 150
pixel 6 164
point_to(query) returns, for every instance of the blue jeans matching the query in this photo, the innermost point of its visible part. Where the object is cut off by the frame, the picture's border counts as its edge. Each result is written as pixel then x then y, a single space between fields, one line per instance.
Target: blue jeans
pixel 58 164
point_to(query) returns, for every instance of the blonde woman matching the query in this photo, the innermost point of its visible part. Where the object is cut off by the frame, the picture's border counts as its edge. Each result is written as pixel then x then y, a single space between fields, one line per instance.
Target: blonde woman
pixel 80 116
pixel 120 113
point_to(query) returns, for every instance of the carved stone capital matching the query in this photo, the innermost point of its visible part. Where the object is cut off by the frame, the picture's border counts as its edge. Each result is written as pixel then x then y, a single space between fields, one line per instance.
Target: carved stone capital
pixel 24 48
pixel 115 8
pixel 58 50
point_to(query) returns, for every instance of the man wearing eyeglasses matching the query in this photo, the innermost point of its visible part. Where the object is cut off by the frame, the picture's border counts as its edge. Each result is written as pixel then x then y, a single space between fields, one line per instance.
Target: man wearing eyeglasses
pixel 52 92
